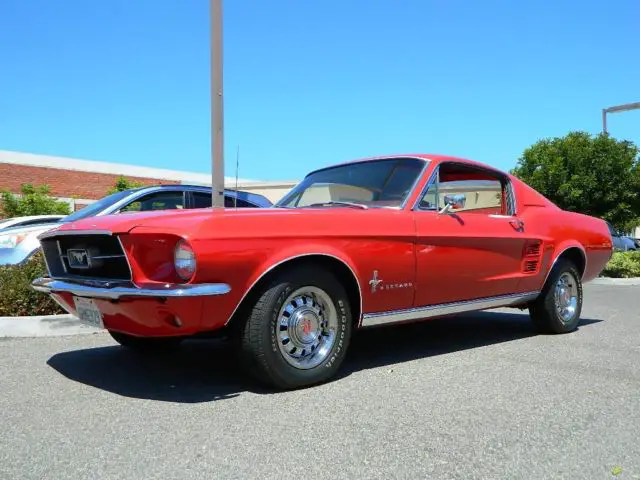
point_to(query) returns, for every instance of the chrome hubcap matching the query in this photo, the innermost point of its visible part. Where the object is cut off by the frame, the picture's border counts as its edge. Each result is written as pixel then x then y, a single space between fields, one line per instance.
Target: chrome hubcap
pixel 306 328
pixel 566 296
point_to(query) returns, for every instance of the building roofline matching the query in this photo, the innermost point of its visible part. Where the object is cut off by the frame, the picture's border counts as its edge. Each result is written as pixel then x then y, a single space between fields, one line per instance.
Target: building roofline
pixel 93 166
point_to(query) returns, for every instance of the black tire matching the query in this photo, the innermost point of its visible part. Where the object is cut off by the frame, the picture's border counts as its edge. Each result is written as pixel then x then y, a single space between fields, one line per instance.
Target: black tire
pixel 146 344
pixel 260 342
pixel 543 311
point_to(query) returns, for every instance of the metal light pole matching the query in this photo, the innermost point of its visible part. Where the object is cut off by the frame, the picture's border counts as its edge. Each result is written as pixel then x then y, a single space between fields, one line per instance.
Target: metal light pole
pixel 217 106
pixel 618 108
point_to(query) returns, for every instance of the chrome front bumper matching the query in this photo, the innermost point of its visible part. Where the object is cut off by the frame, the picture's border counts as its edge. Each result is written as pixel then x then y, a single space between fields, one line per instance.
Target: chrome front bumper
pixel 128 289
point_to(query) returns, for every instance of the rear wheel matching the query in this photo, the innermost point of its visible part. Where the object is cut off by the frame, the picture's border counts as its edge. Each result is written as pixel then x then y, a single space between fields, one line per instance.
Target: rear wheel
pixel 298 329
pixel 558 308
pixel 145 344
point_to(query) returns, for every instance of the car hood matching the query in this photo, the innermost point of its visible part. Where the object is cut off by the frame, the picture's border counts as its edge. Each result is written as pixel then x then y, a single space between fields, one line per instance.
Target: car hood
pixel 165 219
pixel 223 221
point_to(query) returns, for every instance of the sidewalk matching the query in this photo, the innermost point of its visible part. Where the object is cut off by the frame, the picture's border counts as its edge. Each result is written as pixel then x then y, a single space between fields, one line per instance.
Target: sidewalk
pixel 616 281
pixel 43 326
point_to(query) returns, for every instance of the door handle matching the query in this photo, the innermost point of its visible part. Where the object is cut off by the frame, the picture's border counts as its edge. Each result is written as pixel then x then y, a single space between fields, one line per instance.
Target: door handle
pixel 517 224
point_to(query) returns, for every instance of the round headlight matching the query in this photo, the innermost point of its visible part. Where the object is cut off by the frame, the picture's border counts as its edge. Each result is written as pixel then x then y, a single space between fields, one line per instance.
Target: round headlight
pixel 184 260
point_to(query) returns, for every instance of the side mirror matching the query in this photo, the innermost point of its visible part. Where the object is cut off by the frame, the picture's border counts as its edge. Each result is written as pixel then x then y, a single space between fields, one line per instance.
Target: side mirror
pixel 453 202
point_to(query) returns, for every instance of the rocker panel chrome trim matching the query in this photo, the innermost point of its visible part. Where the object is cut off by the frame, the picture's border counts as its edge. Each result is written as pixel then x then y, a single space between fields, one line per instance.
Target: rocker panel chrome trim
pixel 399 316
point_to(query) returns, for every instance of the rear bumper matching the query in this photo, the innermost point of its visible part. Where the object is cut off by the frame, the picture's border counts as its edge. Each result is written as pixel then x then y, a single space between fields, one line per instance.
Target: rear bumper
pixel 128 289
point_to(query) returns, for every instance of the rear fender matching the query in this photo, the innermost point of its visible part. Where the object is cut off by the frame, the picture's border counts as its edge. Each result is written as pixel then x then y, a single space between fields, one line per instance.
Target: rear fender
pixel 559 250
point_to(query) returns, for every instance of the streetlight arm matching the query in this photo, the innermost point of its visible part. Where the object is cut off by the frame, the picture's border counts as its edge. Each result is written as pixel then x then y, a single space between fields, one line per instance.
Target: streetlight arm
pixel 617 108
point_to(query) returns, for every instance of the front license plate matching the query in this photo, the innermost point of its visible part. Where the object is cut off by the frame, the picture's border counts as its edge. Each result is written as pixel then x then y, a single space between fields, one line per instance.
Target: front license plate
pixel 88 312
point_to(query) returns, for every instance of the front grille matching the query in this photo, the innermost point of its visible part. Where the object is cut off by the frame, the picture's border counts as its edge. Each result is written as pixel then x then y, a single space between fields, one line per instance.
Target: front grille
pixel 86 256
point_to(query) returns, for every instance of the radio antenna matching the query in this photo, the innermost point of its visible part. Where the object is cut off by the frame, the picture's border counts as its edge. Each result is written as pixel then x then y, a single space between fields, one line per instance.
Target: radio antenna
pixel 235 198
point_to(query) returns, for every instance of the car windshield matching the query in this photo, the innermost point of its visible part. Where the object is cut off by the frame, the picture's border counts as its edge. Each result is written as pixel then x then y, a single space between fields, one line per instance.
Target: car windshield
pixel 375 183
pixel 96 207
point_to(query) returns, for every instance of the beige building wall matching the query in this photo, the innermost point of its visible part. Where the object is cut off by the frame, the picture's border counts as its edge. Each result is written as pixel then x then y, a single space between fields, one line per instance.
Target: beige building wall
pixel 274 191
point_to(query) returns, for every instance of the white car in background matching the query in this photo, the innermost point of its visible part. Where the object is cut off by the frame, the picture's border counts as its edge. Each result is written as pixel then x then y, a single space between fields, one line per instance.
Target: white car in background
pixel 29 221
pixel 18 244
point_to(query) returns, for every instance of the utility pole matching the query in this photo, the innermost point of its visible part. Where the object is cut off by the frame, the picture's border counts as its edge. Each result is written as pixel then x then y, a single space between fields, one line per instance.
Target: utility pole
pixel 618 108
pixel 217 106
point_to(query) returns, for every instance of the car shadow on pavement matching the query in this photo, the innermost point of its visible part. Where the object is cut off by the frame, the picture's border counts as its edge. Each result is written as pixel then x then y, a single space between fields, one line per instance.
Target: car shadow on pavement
pixel 379 347
pixel 197 371
pixel 207 370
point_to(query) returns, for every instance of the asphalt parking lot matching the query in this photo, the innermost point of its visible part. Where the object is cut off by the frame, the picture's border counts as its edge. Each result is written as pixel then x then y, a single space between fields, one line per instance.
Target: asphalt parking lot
pixel 476 396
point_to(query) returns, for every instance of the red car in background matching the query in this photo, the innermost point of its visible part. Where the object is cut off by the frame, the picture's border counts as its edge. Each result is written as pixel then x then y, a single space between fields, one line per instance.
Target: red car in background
pixel 378 241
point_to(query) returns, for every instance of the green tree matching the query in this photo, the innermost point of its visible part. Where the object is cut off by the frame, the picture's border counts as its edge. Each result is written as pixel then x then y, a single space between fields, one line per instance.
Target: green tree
pixel 596 175
pixel 122 183
pixel 32 201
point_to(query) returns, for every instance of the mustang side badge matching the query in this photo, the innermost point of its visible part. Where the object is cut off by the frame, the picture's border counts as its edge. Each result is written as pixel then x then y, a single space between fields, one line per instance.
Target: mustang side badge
pixel 374 282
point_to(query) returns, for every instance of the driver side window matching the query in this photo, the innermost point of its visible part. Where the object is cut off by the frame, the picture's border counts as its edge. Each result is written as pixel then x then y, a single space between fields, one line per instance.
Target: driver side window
pixel 482 191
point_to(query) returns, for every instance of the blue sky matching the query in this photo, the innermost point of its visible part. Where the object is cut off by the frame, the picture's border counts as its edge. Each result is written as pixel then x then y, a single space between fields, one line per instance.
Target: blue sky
pixel 310 83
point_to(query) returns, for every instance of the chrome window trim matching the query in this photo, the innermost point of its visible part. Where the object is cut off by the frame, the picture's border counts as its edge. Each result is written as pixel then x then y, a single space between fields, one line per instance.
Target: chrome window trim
pixel 512 193
pixel 415 182
pixel 119 205
pixel 366 160
pixel 432 178
pixel 272 267
pixel 127 289
pixel 423 313
pixel 129 200
pixel 435 176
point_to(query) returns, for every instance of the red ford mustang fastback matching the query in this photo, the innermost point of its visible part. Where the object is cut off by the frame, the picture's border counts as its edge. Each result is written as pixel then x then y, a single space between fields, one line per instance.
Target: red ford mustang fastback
pixel 372 242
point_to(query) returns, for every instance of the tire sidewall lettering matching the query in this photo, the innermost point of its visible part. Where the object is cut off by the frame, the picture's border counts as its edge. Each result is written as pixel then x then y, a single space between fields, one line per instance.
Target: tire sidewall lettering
pixel 341 334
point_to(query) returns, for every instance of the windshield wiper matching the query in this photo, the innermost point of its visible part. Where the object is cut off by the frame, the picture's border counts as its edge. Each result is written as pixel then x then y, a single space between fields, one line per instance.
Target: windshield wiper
pixel 342 204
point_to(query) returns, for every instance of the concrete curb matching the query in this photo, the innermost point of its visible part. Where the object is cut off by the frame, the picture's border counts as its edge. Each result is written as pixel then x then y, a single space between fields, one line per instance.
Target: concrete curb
pixel 44 326
pixel 615 281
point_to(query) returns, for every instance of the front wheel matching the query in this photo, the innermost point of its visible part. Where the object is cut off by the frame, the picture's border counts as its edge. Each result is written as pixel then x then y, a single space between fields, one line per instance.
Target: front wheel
pixel 558 308
pixel 298 330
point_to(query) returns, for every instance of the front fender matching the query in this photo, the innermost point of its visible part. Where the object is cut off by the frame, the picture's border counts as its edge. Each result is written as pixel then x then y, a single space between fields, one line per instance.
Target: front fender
pixel 242 264
pixel 280 257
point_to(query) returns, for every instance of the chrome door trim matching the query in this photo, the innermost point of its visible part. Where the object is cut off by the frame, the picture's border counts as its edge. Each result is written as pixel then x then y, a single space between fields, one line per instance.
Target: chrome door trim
pixel 419 313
